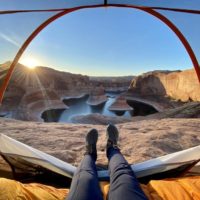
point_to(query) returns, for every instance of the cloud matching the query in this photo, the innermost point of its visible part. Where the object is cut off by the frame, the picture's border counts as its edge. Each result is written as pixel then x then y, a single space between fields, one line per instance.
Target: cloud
pixel 9 39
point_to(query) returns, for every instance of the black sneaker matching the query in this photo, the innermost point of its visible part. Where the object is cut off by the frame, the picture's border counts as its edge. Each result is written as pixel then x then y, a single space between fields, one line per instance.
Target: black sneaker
pixel 112 136
pixel 90 143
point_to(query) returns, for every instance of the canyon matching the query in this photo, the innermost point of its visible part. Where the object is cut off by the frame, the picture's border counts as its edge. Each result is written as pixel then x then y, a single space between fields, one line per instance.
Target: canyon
pixel 32 92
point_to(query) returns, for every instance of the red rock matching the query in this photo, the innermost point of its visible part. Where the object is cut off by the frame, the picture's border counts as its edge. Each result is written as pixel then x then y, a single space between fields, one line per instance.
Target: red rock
pixel 120 104
pixel 178 85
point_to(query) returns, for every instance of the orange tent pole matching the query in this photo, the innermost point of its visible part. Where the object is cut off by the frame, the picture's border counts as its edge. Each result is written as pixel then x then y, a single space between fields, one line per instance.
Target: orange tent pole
pixel 24 46
pixel 67 11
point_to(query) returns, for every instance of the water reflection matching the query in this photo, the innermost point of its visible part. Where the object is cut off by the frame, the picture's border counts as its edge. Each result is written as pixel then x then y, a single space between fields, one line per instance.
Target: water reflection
pixel 78 106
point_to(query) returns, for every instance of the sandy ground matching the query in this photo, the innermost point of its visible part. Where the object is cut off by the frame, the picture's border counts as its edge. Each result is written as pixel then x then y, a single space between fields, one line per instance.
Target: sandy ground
pixel 139 141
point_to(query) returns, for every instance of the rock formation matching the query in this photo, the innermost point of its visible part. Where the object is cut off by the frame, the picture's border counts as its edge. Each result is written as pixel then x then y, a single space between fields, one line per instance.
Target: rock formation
pixel 96 118
pixel 30 92
pixel 188 110
pixel 97 97
pixel 112 84
pixel 138 141
pixel 178 85
pixel 120 104
pixel 34 103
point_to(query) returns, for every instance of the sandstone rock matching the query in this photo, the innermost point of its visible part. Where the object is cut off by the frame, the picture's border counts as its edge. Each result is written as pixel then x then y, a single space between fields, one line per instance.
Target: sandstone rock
pixel 182 86
pixel 139 141
pixel 59 85
pixel 189 110
pixel 97 97
pixel 110 84
pixel 96 100
pixel 35 102
pixel 98 119
pixel 158 105
pixel 120 104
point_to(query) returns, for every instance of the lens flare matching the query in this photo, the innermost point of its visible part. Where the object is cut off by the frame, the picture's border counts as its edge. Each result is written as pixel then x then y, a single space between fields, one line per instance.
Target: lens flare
pixel 29 62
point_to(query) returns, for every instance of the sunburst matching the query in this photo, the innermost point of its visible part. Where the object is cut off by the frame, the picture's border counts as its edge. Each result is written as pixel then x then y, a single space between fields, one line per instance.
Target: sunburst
pixel 30 62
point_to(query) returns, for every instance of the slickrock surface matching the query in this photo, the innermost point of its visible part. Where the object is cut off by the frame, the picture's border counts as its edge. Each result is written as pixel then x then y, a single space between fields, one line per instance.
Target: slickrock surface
pixel 139 140
pixel 96 118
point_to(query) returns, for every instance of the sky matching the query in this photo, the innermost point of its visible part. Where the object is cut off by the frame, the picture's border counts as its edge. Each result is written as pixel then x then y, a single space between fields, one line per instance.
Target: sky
pixel 104 42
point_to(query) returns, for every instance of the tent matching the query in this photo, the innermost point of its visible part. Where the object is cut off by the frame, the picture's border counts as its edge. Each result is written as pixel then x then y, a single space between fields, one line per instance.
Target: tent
pixel 32 16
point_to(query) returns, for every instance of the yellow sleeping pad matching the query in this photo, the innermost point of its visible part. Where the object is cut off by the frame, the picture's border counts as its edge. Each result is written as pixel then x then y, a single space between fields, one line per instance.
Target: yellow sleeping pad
pixel 11 190
pixel 169 189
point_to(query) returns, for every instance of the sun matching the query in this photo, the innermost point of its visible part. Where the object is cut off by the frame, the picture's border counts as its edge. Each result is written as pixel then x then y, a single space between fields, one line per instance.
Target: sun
pixel 29 62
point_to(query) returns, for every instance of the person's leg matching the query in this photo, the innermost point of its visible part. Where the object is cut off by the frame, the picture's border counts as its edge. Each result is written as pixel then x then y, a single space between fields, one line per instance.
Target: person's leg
pixel 85 185
pixel 123 182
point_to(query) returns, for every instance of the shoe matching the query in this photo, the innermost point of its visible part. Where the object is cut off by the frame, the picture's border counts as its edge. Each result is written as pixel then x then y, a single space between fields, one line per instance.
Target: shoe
pixel 112 136
pixel 90 143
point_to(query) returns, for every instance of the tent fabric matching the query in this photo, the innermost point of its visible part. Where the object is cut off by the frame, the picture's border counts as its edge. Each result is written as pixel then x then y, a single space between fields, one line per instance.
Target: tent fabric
pixel 34 15
pixel 25 154
pixel 169 189
pixel 12 148
pixel 50 4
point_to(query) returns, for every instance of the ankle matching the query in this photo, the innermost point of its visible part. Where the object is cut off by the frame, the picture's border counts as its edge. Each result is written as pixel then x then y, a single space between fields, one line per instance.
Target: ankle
pixel 111 150
pixel 93 155
pixel 110 144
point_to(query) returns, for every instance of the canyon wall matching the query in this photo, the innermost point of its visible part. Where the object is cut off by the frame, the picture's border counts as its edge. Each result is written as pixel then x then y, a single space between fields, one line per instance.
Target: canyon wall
pixel 178 85
pixel 30 92
pixel 112 83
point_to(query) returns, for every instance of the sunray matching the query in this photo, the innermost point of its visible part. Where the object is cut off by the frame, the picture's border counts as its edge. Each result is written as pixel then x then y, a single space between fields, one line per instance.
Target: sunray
pixel 47 101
